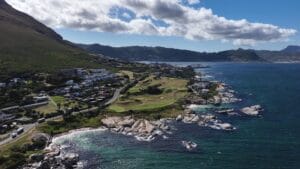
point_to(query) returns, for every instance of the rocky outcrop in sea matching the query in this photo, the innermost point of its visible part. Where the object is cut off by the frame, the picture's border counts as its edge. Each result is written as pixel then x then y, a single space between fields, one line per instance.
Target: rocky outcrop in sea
pixel 141 129
pixel 53 158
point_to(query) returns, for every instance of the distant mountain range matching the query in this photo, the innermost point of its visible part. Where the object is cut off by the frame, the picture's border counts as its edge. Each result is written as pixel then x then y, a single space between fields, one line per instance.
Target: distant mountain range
pixel 142 53
pixel 27 45
pixel 292 49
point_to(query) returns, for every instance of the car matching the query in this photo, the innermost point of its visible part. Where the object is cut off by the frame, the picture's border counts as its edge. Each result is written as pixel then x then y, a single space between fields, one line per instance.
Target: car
pixel 41 120
pixel 13 135
pixel 20 130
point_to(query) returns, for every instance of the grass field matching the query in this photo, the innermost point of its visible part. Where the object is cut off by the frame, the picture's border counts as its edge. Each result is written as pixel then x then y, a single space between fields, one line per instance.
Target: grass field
pixel 66 103
pixel 11 155
pixel 47 109
pixel 60 126
pixel 58 99
pixel 127 73
pixel 135 99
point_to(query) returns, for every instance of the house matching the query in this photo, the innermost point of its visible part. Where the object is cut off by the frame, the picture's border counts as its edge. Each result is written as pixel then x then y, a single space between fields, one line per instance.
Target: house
pixel 70 82
pixel 70 73
pixel 10 108
pixel 24 120
pixel 81 72
pixel 16 81
pixel 6 118
pixel 2 85
pixel 41 98
pixel 75 86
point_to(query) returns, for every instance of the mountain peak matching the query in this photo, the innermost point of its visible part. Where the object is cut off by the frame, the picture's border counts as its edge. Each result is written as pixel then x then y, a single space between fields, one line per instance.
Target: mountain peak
pixel 11 16
pixel 3 2
pixel 292 49
pixel 29 46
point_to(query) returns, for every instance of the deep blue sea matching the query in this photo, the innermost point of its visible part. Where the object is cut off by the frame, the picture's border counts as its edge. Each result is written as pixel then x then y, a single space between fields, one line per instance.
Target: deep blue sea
pixel 268 142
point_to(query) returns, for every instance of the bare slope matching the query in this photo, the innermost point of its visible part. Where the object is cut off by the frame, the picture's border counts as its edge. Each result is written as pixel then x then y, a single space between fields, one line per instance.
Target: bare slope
pixel 27 45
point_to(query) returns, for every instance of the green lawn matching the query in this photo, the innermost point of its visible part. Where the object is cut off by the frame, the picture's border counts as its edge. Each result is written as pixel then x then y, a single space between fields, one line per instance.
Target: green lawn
pixel 58 99
pixel 47 109
pixel 12 156
pixel 127 73
pixel 76 122
pixel 136 100
pixel 66 103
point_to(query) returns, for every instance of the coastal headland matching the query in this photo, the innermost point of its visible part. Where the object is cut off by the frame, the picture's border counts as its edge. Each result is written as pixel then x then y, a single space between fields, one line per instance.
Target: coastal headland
pixel 140 105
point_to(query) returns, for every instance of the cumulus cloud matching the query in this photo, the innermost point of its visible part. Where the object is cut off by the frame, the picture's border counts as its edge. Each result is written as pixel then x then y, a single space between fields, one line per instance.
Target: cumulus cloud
pixel 193 2
pixel 143 16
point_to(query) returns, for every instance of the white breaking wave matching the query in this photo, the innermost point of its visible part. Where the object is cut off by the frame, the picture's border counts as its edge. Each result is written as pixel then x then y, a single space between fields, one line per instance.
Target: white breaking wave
pixel 75 133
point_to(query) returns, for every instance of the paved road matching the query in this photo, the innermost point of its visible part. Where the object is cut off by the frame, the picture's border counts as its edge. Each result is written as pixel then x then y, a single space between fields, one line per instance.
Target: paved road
pixel 115 97
pixel 52 101
pixel 27 128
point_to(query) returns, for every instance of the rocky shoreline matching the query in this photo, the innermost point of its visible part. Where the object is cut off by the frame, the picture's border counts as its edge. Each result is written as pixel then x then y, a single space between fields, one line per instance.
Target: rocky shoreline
pixel 149 130
pixel 54 158
pixel 141 129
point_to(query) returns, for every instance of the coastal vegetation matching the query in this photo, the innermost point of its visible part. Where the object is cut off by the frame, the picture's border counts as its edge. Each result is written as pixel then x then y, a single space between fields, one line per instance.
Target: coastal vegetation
pixel 152 95
pixel 129 74
pixel 53 84
pixel 16 153
pixel 72 122
pixel 47 109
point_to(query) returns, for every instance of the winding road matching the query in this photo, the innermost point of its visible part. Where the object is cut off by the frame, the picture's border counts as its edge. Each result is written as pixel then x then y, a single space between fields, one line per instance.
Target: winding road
pixel 27 128
pixel 115 97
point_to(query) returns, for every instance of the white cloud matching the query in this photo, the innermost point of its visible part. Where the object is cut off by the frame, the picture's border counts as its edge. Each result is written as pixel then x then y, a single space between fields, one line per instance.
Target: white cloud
pixel 126 15
pixel 182 21
pixel 193 2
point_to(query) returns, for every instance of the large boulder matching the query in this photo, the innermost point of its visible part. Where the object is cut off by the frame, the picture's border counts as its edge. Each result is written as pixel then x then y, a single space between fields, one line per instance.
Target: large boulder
pixel 70 159
pixel 252 110
pixel 45 165
pixel 222 126
pixel 195 119
pixel 36 157
pixel 111 122
pixel 179 118
pixel 40 140
pixel 149 127
pixel 137 124
pixel 126 122
pixel 188 118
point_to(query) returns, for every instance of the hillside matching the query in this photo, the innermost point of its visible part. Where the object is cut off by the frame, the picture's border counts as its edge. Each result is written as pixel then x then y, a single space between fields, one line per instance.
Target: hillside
pixel 139 53
pixel 28 46
pixel 291 49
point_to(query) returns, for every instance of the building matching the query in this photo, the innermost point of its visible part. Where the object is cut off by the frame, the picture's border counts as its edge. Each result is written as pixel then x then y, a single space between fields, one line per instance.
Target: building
pixel 6 118
pixel 2 85
pixel 38 99
pixel 24 120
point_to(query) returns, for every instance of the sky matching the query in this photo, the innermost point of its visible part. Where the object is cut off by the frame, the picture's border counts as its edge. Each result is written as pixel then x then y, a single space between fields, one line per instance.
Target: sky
pixel 200 25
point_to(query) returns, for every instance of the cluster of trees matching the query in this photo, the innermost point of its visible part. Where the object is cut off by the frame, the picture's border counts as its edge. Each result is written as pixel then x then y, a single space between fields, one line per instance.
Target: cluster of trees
pixel 154 89
pixel 12 96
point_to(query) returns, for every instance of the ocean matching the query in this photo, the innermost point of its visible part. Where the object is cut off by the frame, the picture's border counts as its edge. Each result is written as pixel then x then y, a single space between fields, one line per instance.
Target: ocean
pixel 268 142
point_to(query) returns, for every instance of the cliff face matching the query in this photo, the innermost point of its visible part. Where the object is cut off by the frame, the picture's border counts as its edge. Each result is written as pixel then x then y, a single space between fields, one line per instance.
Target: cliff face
pixel 27 45
pixel 9 15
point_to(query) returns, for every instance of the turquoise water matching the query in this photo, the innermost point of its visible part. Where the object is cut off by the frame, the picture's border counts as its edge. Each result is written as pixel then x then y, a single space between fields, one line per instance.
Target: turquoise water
pixel 268 142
